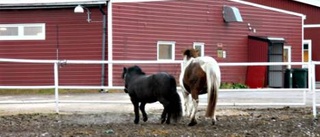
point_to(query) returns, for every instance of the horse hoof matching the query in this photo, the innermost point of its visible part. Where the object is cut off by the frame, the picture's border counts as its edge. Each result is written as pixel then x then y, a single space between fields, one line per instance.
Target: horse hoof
pixel 168 122
pixel 214 121
pixel 162 121
pixel 192 124
pixel 136 121
pixel 145 119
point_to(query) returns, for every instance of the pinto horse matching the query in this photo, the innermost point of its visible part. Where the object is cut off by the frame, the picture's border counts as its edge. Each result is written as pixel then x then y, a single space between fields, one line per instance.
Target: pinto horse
pixel 144 89
pixel 200 75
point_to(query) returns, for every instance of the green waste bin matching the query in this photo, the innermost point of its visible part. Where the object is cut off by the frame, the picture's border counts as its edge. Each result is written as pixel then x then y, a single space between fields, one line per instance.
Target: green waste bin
pixel 288 78
pixel 300 78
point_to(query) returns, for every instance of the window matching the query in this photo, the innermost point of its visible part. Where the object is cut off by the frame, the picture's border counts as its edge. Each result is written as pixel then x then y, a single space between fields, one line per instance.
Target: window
pixel 22 31
pixel 165 50
pixel 200 47
pixel 306 53
pixel 287 54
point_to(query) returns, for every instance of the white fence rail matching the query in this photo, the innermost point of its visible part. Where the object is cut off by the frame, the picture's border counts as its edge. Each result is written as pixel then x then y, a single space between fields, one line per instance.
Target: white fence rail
pixel 311 81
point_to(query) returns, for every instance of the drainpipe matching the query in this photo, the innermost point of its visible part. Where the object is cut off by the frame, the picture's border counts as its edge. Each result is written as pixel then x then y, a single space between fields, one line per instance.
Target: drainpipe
pixel 104 31
pixel 110 44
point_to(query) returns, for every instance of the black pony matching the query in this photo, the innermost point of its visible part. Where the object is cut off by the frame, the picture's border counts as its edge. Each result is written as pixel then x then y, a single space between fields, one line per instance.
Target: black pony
pixel 144 89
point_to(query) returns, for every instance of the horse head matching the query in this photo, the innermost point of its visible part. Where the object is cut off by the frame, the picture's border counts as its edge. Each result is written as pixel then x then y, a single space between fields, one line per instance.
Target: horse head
pixel 129 73
pixel 190 53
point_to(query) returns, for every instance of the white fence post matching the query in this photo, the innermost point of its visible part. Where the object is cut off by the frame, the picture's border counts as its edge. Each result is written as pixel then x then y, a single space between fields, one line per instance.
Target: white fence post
pixel 56 85
pixel 314 103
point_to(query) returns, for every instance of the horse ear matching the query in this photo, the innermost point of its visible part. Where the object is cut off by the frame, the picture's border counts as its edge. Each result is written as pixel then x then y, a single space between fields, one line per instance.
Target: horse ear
pixel 124 69
pixel 187 52
pixel 124 72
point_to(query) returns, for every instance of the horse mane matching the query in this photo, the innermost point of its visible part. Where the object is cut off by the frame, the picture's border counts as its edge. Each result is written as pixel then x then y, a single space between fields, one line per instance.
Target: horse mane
pixel 136 69
pixel 191 53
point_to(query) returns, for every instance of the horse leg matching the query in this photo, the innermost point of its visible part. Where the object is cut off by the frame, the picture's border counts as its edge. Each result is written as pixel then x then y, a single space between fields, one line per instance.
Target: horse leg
pixel 186 103
pixel 214 118
pixel 163 115
pixel 166 114
pixel 168 118
pixel 195 101
pixel 144 114
pixel 136 112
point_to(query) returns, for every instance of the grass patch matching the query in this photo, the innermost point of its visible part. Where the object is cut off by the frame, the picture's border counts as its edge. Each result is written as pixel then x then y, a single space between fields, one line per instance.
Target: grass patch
pixel 231 85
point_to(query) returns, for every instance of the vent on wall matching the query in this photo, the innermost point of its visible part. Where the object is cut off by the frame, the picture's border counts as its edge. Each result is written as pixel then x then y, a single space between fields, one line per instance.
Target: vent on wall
pixel 231 14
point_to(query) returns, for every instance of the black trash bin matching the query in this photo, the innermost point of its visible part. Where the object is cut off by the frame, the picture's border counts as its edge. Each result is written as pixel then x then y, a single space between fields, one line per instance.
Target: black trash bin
pixel 300 78
pixel 288 78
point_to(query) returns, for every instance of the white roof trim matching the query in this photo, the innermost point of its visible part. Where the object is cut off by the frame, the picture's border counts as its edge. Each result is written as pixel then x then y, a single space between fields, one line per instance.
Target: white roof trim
pixel 310 2
pixel 311 26
pixel 122 1
pixel 270 8
pixel 275 38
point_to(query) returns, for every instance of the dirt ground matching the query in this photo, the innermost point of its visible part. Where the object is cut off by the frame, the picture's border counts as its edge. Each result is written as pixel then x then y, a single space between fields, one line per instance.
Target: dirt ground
pixel 232 122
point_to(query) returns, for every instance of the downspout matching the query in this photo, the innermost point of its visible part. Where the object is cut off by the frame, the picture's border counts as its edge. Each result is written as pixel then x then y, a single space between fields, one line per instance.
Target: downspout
pixel 104 30
pixel 110 45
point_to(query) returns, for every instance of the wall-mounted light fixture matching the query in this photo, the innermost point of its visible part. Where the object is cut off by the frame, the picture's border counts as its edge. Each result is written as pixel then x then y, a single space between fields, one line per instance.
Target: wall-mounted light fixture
pixel 231 14
pixel 80 9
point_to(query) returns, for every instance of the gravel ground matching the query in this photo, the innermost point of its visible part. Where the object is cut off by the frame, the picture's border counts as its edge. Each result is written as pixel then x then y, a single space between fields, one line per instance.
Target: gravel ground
pixel 232 122
pixel 116 119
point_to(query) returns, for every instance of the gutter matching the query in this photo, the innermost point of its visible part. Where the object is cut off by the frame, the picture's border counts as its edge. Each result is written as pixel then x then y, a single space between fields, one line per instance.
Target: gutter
pixel 110 44
pixel 47 5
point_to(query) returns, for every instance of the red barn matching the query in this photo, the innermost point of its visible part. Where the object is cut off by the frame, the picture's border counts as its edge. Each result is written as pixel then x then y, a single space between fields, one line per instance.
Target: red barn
pixel 138 30
pixel 310 8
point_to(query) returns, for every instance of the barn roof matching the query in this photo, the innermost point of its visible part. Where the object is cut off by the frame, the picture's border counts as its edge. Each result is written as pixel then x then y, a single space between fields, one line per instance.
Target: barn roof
pixel 310 2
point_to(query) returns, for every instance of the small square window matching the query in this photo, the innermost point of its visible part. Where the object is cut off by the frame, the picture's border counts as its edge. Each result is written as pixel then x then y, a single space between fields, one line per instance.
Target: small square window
pixel 165 50
pixel 200 47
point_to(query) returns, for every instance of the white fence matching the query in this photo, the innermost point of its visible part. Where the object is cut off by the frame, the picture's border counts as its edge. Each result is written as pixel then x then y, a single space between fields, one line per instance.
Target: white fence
pixel 311 81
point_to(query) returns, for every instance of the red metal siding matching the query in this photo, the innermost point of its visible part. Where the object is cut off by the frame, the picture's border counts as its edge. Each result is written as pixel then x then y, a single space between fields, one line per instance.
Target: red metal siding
pixel 313 34
pixel 138 27
pixel 66 31
pixel 312 13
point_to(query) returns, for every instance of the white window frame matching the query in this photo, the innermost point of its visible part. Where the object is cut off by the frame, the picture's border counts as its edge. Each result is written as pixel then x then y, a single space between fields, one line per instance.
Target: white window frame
pixel 172 43
pixel 21 35
pixel 201 44
pixel 288 47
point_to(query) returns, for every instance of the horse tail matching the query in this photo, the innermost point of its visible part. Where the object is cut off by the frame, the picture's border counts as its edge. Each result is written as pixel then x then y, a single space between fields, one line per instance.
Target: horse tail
pixel 213 84
pixel 175 107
